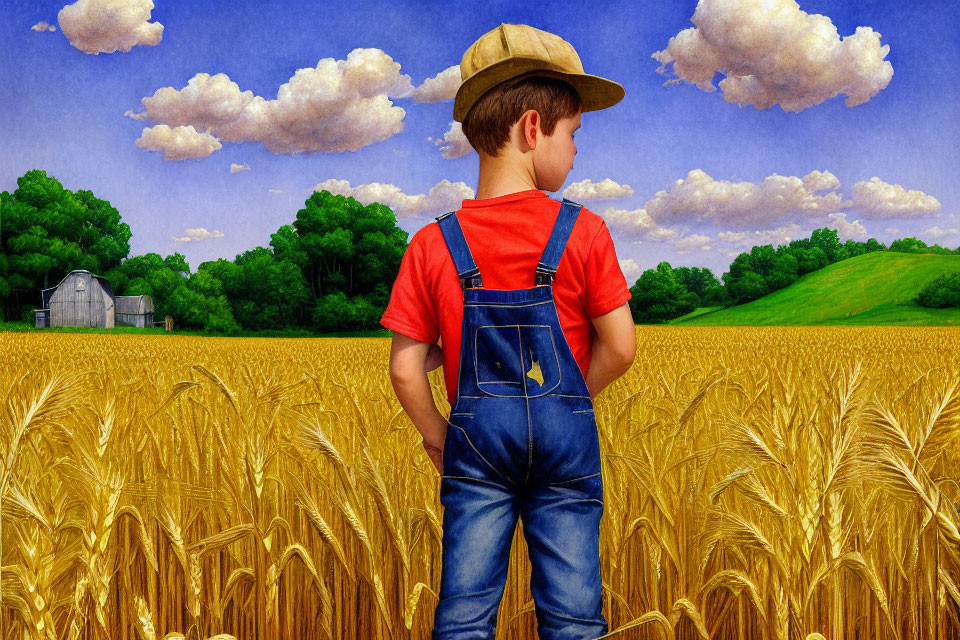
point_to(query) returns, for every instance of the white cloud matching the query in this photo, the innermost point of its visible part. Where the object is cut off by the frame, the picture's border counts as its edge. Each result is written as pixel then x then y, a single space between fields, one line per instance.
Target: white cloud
pixel 439 88
pixel 106 26
pixel 847 230
pixel 606 189
pixel 442 197
pixel 636 225
pixel 276 191
pixel 43 25
pixel 339 105
pixel 938 234
pixel 881 200
pixel 781 235
pixel 454 143
pixel 772 52
pixel 820 181
pixel 741 205
pixel 178 143
pixel 785 234
pixel 206 101
pixel 891 230
pixel 776 211
pixel 236 168
pixel 692 242
pixel 197 235
pixel 631 270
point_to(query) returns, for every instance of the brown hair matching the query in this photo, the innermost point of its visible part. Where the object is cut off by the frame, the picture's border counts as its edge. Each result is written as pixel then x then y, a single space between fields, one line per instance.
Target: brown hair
pixel 487 124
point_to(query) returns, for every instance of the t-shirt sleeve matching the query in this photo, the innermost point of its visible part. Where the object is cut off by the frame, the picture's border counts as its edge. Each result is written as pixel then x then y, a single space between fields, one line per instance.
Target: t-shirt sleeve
pixel 410 310
pixel 605 287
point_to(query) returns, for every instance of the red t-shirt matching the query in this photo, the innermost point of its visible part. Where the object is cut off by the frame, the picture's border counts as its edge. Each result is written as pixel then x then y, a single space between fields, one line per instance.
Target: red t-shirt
pixel 506 236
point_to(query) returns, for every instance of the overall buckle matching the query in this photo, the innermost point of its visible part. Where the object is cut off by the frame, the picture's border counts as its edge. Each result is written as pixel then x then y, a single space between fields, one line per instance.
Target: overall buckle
pixel 471 281
pixel 543 277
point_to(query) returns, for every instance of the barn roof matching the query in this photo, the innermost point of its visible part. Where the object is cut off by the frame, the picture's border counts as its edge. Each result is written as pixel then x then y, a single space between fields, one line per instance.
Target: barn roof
pixel 45 294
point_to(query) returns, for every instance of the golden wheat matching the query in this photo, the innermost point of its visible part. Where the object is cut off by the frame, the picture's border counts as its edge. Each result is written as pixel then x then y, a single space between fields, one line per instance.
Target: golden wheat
pixel 760 483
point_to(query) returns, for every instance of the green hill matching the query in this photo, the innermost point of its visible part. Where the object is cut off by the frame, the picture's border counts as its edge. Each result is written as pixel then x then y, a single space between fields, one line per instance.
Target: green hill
pixel 874 288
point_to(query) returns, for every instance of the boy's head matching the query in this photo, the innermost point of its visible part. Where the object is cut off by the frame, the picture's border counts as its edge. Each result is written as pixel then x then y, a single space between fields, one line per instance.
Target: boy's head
pixel 488 124
pixel 520 85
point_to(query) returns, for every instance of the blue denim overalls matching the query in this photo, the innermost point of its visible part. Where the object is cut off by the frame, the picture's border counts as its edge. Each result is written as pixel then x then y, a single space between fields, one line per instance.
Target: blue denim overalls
pixel 521 441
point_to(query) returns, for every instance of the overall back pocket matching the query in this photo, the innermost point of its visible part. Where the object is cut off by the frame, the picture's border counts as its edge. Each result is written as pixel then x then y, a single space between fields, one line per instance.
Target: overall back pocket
pixel 516 360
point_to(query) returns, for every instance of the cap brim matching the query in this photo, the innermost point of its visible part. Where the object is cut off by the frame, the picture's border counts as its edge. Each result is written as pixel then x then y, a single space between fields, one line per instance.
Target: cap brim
pixel 595 92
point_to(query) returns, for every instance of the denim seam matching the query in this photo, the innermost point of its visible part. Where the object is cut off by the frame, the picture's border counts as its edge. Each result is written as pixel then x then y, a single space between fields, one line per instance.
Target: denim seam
pixel 556 314
pixel 493 304
pixel 480 455
pixel 565 616
pixel 592 475
pixel 471 478
pixel 546 395
pixel 526 401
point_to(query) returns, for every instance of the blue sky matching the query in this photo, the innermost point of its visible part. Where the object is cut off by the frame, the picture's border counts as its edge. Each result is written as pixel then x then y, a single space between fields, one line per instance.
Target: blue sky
pixel 679 172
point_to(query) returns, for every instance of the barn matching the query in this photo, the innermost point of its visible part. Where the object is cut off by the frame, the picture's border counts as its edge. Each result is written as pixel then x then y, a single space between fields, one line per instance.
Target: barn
pixel 134 311
pixel 83 299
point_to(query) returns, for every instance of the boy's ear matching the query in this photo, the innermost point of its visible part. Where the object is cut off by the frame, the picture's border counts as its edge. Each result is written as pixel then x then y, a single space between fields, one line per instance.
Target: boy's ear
pixel 530 131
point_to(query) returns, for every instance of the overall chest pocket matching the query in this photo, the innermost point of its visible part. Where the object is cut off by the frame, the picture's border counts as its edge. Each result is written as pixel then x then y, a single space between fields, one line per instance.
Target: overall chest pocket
pixel 516 360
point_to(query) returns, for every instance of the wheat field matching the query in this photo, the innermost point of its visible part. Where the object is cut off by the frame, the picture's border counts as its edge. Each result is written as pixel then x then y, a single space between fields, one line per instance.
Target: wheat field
pixel 760 483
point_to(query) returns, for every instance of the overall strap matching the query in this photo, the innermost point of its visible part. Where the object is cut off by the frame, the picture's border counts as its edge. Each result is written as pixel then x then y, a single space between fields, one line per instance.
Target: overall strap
pixel 467 269
pixel 547 267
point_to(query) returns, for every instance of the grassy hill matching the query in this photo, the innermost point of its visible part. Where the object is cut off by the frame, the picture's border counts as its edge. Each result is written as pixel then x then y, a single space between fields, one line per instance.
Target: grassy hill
pixel 875 288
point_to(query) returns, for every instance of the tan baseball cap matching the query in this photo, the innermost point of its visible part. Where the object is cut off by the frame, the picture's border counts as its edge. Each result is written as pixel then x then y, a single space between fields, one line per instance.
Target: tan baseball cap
pixel 515 51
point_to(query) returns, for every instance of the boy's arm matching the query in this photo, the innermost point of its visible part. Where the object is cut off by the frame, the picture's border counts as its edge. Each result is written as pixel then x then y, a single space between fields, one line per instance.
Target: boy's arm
pixel 614 348
pixel 408 374
pixel 615 345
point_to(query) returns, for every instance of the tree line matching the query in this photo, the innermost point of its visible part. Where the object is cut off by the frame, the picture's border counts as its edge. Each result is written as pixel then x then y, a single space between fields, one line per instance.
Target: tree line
pixel 332 268
pixel 666 292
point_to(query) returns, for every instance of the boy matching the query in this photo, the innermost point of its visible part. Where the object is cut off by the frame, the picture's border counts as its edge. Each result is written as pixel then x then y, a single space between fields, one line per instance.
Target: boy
pixel 530 303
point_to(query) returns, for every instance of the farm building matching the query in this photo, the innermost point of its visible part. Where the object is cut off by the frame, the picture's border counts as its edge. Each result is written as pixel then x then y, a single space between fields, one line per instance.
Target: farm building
pixel 83 299
pixel 134 311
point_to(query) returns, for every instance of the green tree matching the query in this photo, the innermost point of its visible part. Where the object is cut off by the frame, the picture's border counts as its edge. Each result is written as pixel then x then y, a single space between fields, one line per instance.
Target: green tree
pixel 748 287
pixel 828 240
pixel 742 281
pixel 194 301
pixel 48 231
pixel 337 312
pixel 811 259
pixel 659 295
pixel 264 292
pixel 941 292
pixel 286 246
pixel 785 270
pixel 345 247
pixel 177 263
pixel 908 245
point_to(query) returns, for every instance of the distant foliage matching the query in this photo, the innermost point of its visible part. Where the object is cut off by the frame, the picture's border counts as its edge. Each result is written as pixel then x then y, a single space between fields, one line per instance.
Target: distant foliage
pixel 660 294
pixel 941 292
pixel 666 293
pixel 331 270
pixel 764 269
pixel 194 301
pixel 914 245
pixel 333 267
pixel 47 231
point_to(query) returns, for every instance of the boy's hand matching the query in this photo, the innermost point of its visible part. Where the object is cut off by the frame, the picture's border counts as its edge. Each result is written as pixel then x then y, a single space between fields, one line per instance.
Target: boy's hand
pixel 434 357
pixel 408 360
pixel 436 456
